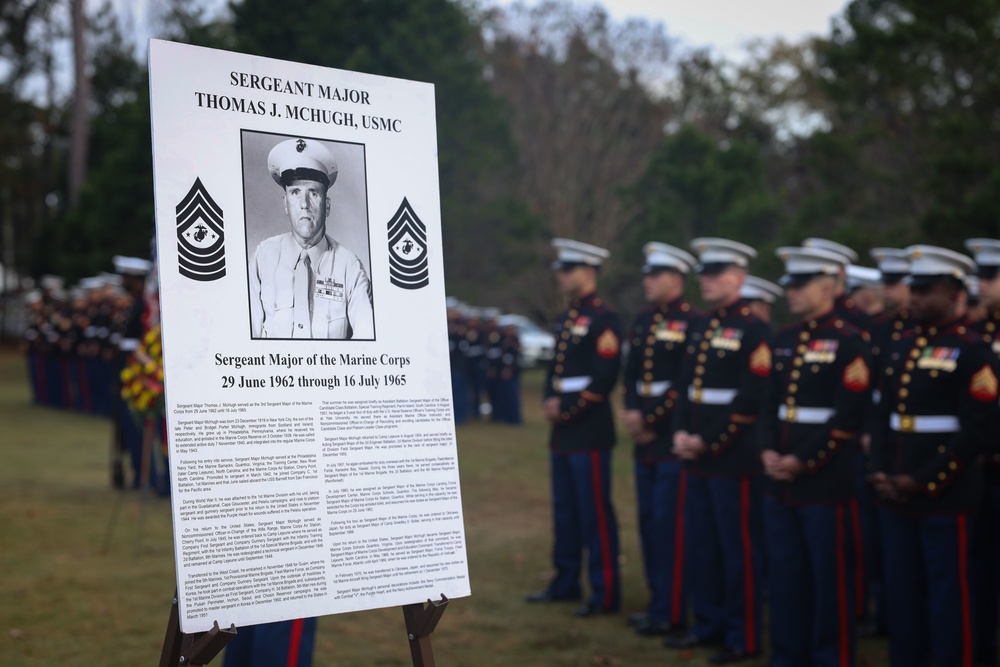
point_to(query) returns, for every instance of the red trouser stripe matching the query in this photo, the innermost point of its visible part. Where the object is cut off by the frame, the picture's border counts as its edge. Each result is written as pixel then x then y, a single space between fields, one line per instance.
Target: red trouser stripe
pixel 84 385
pixel 602 527
pixel 750 621
pixel 678 588
pixel 963 584
pixel 842 613
pixel 859 562
pixel 295 643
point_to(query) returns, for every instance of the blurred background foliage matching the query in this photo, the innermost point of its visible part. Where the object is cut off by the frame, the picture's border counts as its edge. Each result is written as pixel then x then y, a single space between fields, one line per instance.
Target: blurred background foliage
pixel 553 121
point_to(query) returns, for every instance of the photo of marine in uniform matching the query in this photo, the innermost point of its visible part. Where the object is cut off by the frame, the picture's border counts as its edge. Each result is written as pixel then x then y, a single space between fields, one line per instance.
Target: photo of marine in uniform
pixel 307 239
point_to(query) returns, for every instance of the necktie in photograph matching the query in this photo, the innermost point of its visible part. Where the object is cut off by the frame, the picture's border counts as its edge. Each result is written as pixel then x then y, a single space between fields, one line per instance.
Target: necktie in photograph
pixel 302 290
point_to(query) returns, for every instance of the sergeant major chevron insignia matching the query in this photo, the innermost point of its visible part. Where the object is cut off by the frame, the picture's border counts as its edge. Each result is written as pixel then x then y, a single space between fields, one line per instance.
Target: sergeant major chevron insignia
pixel 407 249
pixel 201 248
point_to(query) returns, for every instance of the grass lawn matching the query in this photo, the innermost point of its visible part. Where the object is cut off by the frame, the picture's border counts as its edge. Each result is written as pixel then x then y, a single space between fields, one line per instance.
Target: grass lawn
pixel 63 602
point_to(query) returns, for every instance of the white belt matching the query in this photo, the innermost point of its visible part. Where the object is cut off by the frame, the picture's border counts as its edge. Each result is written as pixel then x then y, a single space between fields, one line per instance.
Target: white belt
pixel 128 344
pixel 876 397
pixel 569 385
pixel 799 415
pixel 652 388
pixel 711 396
pixel 923 423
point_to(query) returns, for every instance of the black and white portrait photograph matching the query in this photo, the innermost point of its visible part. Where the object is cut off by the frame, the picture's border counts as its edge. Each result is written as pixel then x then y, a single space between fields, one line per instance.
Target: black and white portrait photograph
pixel 308 252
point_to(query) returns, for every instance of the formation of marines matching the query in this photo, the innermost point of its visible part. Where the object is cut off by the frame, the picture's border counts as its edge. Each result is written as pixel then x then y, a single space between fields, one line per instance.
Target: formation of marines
pixel 484 352
pixel 846 468
pixel 77 341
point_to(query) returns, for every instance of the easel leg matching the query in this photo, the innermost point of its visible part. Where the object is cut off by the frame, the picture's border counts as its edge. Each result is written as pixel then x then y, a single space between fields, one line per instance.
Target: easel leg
pixel 420 623
pixel 196 650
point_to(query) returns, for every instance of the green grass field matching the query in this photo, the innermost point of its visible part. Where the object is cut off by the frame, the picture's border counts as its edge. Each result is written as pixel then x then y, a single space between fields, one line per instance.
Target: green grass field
pixel 63 602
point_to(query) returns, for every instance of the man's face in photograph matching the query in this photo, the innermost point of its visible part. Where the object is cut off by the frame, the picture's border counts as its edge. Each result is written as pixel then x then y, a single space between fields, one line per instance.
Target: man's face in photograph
pixel 307 205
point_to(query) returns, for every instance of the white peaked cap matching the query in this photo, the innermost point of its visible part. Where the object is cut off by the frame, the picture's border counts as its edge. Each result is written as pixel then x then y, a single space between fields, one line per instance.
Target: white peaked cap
pixel 863 276
pixel 131 266
pixel 713 250
pixel 985 251
pixel 302 160
pixel 570 252
pixel 891 260
pixel 664 256
pixel 832 246
pixel 758 289
pixel 808 261
pixel 929 260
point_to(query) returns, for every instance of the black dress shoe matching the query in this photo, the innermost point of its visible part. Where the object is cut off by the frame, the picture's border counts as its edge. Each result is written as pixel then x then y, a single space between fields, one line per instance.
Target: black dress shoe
pixel 637 619
pixel 653 628
pixel 688 641
pixel 588 610
pixel 728 655
pixel 545 596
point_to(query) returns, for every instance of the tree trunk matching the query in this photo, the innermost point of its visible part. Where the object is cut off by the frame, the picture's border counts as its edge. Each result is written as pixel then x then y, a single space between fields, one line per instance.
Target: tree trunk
pixel 80 131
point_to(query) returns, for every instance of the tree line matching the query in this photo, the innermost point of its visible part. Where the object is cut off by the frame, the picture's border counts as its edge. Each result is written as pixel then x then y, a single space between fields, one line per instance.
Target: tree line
pixel 560 122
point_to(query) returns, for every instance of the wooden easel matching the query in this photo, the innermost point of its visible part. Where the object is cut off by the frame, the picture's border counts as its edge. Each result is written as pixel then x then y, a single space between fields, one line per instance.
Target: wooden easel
pixel 195 650
pixel 420 623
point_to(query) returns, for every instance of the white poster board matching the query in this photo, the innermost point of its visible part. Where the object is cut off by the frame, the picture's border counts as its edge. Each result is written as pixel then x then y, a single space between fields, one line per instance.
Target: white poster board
pixel 313 460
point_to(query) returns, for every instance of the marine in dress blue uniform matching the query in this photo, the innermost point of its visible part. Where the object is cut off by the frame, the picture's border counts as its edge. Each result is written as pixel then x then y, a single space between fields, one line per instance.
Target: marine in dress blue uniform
pixel 577 403
pixel 725 371
pixel 862 507
pixel 652 368
pixel 492 360
pixel 133 271
pixel 889 327
pixel 813 412
pixel 986 540
pixel 508 408
pixel 937 415
pixel 474 349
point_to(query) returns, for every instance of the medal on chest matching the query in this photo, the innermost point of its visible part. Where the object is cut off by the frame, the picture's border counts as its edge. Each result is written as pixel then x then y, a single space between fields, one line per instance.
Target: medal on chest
pixel 821 352
pixel 328 288
pixel 672 331
pixel 580 326
pixel 939 359
pixel 727 338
